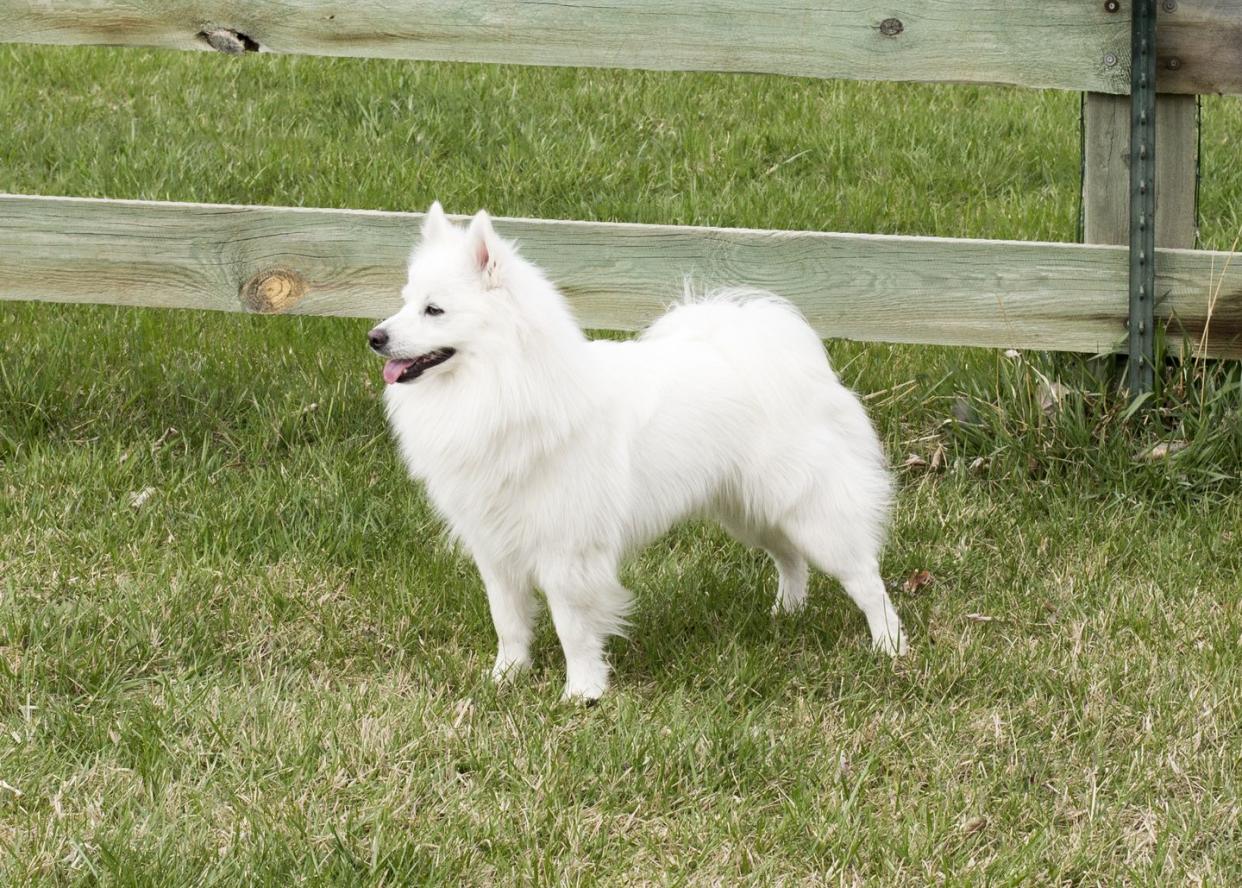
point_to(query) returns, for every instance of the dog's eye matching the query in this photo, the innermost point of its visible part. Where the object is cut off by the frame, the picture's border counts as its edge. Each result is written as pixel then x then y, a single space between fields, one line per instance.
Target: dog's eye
pixel 433 311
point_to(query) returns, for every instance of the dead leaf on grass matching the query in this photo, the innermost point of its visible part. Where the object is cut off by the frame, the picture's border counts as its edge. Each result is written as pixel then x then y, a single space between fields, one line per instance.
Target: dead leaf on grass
pixel 981 618
pixel 1162 450
pixel 1051 394
pixel 974 825
pixel 169 433
pixel 139 498
pixel 914 461
pixel 920 579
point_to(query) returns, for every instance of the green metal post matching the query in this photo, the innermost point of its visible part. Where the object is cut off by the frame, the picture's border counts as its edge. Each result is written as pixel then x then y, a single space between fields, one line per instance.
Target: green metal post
pixel 1140 374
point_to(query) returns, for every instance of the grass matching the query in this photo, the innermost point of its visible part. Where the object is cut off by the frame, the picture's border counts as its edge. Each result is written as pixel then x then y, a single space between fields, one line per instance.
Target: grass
pixel 272 671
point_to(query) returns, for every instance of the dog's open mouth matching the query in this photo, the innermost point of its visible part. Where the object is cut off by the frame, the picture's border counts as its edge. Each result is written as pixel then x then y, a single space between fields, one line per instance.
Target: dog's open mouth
pixel 407 369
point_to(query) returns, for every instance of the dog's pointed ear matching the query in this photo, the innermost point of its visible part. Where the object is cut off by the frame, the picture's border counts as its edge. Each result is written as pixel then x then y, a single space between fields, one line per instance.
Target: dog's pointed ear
pixel 435 223
pixel 486 248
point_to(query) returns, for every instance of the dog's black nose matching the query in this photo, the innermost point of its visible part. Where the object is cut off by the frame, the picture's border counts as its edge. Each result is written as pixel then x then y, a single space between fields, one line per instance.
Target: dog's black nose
pixel 378 338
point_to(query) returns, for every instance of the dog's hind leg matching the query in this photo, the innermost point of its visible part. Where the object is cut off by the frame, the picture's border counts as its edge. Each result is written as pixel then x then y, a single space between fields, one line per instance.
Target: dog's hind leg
pixel 513 606
pixel 791 567
pixel 844 552
pixel 588 604
pixel 866 587
pixel 792 570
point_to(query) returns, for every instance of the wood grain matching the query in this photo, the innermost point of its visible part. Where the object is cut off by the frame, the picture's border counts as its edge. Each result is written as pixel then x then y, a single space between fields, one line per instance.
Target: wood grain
pixel 1199 46
pixel 1068 44
pixel 1106 170
pixel 870 287
pixel 1063 44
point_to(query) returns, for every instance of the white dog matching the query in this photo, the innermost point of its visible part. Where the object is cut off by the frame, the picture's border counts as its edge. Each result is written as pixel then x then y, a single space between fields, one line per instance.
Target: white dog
pixel 551 456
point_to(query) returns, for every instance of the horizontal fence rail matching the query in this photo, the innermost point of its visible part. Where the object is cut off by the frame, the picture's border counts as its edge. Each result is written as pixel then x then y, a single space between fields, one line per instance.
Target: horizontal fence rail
pixel 1068 297
pixel 1065 44
pixel 1068 44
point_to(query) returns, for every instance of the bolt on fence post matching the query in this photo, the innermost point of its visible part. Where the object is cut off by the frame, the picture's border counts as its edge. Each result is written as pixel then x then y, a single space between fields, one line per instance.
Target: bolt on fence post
pixel 1140 375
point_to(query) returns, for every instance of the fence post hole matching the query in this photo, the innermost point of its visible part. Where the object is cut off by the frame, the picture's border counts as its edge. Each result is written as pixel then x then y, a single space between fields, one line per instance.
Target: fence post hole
pixel 228 41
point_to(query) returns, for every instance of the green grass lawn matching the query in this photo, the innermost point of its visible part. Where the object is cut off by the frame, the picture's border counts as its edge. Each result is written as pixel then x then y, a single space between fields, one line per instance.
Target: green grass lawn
pixel 272 671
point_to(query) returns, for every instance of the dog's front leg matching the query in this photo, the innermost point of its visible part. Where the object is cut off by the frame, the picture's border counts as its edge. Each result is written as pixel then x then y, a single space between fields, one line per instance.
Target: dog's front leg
pixel 513 607
pixel 588 604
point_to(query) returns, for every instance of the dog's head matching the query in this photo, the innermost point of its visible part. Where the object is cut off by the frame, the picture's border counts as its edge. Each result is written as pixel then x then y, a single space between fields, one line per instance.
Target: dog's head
pixel 454 299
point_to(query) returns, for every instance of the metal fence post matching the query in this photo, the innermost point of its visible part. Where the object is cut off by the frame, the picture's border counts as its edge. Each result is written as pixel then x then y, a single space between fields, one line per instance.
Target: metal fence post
pixel 1140 374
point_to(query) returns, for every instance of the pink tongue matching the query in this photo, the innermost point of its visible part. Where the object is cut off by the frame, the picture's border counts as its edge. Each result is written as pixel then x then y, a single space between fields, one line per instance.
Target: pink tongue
pixel 394 368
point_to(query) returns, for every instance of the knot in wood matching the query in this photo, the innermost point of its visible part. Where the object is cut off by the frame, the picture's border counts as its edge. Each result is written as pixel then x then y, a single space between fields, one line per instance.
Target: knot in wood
pixel 273 291
pixel 228 41
pixel 891 27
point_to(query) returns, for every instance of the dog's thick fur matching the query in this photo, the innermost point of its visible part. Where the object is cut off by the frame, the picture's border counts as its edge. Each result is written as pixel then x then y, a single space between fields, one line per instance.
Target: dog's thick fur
pixel 551 456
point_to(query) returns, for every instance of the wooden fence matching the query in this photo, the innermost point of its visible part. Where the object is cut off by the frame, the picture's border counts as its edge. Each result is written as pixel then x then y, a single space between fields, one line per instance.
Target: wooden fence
pixel 1069 297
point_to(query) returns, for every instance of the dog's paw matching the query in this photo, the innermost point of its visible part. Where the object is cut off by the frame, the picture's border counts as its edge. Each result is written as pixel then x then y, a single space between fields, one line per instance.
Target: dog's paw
pixel 788 607
pixel 894 645
pixel 583 696
pixel 585 689
pixel 509 668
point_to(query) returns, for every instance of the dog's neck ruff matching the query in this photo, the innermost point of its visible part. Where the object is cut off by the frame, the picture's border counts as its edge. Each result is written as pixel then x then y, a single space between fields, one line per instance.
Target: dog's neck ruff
pixel 495 412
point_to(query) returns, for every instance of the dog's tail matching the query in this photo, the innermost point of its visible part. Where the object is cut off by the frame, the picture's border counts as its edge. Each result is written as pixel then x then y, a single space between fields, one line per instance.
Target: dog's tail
pixel 736 294
pixel 742 318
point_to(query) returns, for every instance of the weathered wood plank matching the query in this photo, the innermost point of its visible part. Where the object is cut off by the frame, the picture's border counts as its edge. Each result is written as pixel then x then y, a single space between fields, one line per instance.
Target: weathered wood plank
pixel 1199 46
pixel 1063 44
pixel 351 263
pixel 1106 170
pixel 1067 44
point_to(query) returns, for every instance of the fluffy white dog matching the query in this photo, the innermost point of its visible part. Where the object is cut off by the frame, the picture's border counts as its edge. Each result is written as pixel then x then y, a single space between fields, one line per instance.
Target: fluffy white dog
pixel 551 456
